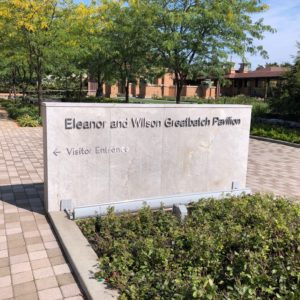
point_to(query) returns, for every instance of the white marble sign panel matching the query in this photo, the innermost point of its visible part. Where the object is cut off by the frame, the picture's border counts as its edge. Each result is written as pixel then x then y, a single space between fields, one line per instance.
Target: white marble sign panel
pixel 109 153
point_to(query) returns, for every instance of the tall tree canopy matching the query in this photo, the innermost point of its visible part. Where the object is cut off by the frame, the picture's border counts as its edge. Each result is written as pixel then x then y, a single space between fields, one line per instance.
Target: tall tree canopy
pixel 191 35
pixel 126 29
pixel 35 25
pixel 124 40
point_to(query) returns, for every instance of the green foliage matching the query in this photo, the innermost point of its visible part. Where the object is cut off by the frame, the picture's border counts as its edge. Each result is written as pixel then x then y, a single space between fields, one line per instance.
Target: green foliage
pixel 194 38
pixel 239 99
pixel 122 40
pixel 29 34
pixel 287 96
pixel 276 132
pixel 92 99
pixel 259 107
pixel 236 248
pixel 27 115
pixel 28 121
pixel 126 34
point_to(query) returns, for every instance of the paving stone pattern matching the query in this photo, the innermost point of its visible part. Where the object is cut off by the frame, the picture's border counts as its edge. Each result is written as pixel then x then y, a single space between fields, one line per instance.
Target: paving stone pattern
pixel 274 168
pixel 32 265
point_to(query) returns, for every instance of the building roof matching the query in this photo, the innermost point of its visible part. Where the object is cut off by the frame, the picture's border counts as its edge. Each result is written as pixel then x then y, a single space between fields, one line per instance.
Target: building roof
pixel 269 72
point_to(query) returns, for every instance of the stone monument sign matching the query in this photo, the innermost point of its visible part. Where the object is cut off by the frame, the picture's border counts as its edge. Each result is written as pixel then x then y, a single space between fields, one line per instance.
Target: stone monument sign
pixel 104 154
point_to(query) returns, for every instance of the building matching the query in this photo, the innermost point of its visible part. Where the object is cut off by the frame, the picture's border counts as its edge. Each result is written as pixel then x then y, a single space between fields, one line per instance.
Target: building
pixel 161 87
pixel 258 83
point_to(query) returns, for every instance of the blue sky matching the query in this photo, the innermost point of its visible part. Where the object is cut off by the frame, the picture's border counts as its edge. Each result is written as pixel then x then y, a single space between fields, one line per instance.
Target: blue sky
pixel 284 16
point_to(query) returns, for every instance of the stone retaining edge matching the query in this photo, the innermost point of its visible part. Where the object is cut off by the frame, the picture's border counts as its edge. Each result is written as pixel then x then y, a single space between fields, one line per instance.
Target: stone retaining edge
pixel 265 139
pixel 81 256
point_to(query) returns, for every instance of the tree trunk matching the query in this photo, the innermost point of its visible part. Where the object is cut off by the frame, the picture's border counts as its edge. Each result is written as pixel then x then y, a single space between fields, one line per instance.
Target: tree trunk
pixel 99 92
pixel 218 89
pixel 127 92
pixel 25 81
pixel 39 91
pixel 14 83
pixel 39 75
pixel 179 87
pixel 24 89
pixel 126 86
pixel 66 87
pixel 80 87
pixel 15 92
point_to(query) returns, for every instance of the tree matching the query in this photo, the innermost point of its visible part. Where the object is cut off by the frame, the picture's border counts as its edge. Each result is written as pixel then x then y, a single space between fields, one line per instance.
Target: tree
pixel 273 64
pixel 287 96
pixel 35 23
pixel 189 35
pixel 125 34
pixel 15 71
pixel 286 65
pixel 96 57
pixel 83 47
pixel 70 44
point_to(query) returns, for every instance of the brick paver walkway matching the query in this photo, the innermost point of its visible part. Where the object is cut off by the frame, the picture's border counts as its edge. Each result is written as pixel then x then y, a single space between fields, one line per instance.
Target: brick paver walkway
pixel 274 168
pixel 31 263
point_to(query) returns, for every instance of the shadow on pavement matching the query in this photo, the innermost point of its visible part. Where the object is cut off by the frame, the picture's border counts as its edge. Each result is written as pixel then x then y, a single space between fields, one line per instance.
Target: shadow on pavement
pixel 26 196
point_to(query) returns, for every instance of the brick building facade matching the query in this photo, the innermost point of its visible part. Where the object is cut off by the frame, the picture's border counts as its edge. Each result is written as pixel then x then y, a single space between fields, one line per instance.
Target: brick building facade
pixel 258 83
pixel 162 87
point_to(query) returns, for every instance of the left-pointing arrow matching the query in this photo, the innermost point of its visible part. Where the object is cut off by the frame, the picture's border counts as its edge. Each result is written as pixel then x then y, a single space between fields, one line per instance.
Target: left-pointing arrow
pixel 56 152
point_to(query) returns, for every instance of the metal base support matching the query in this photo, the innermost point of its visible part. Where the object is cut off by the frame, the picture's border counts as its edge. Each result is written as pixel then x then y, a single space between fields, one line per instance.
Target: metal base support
pixel 154 203
pixel 180 211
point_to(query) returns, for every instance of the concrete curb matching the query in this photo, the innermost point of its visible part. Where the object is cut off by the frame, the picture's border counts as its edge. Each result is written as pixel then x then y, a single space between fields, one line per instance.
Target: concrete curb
pixel 265 139
pixel 81 256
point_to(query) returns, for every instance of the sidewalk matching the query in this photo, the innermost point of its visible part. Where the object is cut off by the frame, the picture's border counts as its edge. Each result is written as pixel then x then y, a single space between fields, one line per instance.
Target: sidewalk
pixel 31 263
pixel 274 168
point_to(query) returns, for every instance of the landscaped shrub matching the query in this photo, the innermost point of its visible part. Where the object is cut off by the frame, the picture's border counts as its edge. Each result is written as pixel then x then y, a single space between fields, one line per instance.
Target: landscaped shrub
pixel 239 99
pixel 276 132
pixel 259 107
pixel 236 248
pixel 91 99
pixel 28 121
pixel 18 111
pixel 27 115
